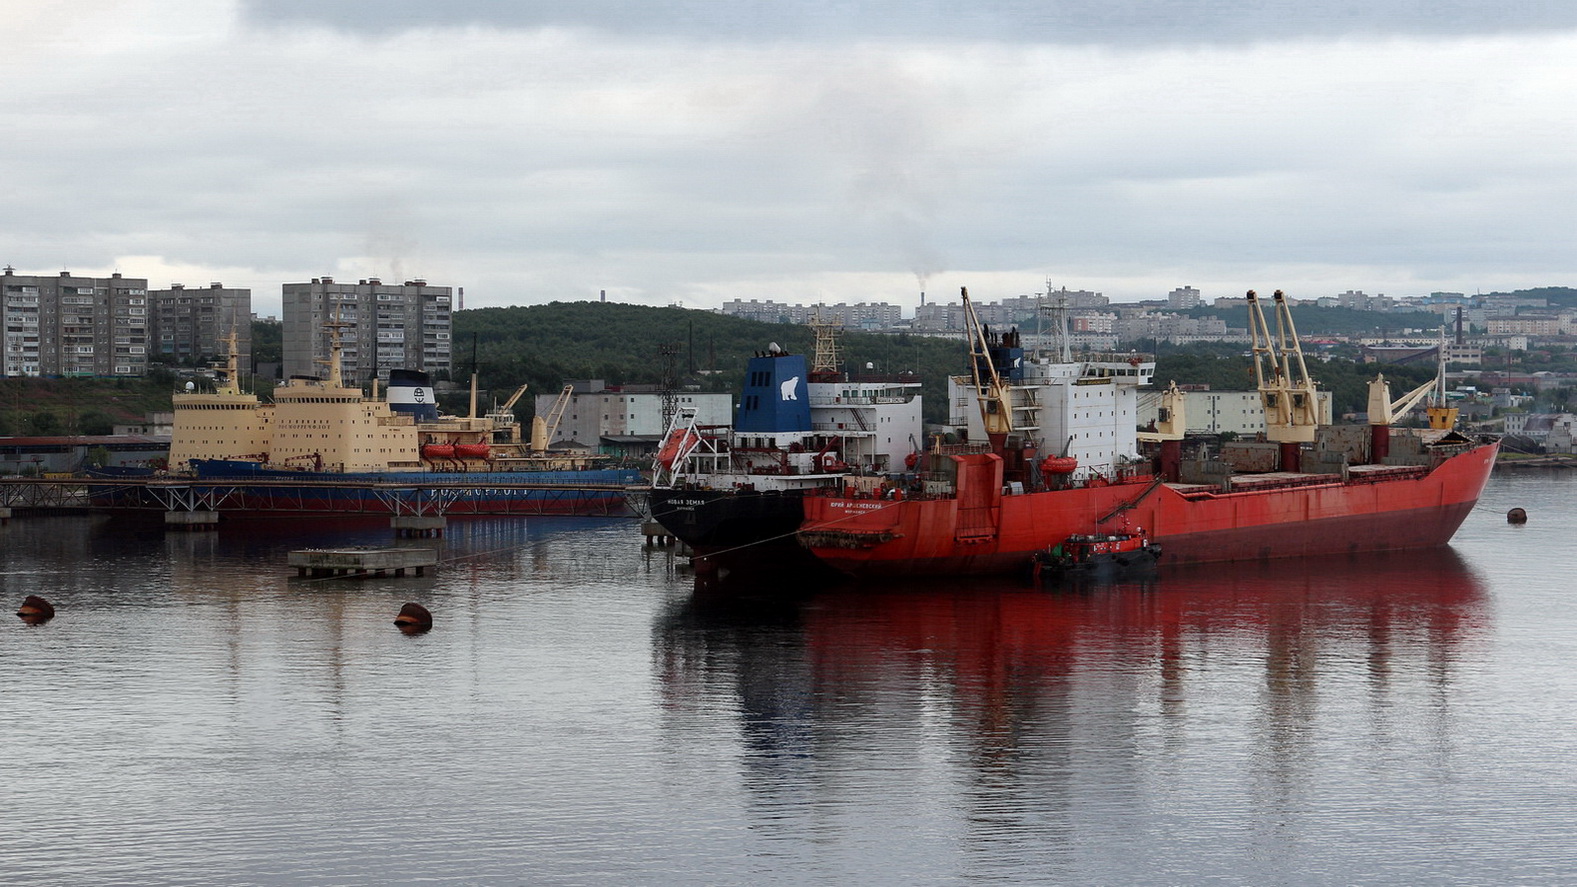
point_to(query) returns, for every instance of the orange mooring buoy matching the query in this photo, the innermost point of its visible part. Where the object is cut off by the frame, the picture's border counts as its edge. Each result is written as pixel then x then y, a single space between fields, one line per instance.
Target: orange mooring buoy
pixel 35 610
pixel 414 619
pixel 1516 516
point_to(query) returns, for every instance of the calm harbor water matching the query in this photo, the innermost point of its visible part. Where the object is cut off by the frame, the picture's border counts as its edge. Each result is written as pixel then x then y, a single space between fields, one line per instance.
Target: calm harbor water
pixel 195 714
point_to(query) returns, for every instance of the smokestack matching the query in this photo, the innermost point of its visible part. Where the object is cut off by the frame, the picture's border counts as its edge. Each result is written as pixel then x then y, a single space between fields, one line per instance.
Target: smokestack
pixel 922 298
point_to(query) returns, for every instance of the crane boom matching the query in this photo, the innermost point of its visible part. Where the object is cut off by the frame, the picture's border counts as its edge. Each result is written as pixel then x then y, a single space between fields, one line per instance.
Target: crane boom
pixel 544 427
pixel 1290 397
pixel 996 405
pixel 510 403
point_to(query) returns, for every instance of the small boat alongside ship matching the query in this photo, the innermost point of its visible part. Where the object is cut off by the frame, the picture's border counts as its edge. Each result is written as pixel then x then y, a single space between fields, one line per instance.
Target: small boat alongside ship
pixel 1100 557
pixel 1047 449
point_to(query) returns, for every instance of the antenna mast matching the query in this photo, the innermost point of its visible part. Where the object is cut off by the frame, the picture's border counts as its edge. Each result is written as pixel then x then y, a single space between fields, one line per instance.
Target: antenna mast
pixel 829 352
pixel 669 353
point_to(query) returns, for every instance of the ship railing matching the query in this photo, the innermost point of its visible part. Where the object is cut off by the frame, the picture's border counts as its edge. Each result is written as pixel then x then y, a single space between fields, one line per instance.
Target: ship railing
pixel 1132 358
pixel 872 400
pixel 962 449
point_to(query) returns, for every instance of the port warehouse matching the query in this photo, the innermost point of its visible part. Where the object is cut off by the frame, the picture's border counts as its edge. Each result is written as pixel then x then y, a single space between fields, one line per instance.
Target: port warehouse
pixel 74 453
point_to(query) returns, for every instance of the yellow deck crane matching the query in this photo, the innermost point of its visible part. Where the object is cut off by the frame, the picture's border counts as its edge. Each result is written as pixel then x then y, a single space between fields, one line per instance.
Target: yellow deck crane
pixel 996 402
pixel 1171 425
pixel 506 429
pixel 1289 395
pixel 1383 411
pixel 544 427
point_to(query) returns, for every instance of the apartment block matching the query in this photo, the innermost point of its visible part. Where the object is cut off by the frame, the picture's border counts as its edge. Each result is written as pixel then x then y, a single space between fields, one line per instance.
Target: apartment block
pixel 874 315
pixel 1183 298
pixel 191 325
pixel 68 325
pixel 384 326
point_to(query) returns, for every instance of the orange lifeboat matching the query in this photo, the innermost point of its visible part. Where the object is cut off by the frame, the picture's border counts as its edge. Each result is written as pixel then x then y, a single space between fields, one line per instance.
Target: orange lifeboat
pixel 437 451
pixel 471 451
pixel 1059 465
pixel 677 447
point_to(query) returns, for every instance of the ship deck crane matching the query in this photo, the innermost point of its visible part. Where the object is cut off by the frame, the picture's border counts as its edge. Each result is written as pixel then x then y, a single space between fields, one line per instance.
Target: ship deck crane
pixel 502 418
pixel 996 404
pixel 1171 425
pixel 544 427
pixel 1289 395
pixel 1383 411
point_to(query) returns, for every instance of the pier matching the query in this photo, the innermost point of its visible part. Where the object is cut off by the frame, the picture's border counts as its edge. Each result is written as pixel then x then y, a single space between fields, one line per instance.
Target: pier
pixel 235 496
pixel 358 563
pixel 191 521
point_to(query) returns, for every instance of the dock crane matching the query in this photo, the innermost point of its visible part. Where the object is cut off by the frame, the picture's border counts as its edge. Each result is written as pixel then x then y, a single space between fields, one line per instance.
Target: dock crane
pixel 544 427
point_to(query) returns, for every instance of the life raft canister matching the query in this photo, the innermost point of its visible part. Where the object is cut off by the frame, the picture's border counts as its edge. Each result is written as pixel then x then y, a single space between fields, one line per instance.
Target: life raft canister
pixel 1059 464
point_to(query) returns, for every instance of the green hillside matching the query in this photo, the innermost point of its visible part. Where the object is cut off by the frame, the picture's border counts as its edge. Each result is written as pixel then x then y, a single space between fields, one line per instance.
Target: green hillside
pixel 79 406
pixel 546 345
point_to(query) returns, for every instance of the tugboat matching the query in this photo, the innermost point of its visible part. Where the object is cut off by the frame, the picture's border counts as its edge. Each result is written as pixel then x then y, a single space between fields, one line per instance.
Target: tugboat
pixel 1096 557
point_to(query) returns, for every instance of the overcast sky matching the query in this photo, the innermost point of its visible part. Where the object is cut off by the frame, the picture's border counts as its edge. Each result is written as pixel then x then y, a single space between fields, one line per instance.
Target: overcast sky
pixel 693 151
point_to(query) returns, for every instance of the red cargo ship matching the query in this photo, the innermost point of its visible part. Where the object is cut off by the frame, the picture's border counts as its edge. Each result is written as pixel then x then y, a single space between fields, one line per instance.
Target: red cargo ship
pixel 978 529
pixel 990 508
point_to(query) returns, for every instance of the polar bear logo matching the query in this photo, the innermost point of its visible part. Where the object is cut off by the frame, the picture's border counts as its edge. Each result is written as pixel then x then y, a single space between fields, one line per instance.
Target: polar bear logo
pixel 788 388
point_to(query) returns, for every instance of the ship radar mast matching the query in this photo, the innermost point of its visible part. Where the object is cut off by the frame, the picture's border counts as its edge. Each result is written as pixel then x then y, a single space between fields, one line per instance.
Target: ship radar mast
pixel 336 361
pixel 1056 307
pixel 230 370
pixel 824 368
pixel 1289 396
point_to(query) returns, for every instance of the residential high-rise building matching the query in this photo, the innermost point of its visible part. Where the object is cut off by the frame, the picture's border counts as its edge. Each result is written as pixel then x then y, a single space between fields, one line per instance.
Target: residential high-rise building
pixel 383 326
pixel 68 325
pixel 192 325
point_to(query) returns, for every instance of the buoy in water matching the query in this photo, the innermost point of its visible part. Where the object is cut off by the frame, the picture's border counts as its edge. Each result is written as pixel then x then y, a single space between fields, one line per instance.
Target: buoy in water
pixel 1516 516
pixel 35 610
pixel 414 619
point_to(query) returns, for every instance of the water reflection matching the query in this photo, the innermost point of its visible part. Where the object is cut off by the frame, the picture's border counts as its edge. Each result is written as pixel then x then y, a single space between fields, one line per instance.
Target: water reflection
pixel 1039 702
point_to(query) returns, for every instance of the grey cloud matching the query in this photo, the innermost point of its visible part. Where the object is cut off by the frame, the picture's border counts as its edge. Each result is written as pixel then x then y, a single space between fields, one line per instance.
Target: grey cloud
pixel 1043 21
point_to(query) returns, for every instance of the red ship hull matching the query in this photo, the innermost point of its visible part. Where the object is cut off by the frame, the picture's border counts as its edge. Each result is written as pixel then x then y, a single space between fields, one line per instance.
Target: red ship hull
pixel 981 531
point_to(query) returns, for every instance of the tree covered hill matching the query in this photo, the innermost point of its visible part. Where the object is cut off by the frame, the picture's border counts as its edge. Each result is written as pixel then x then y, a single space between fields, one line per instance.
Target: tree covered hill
pixel 546 345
